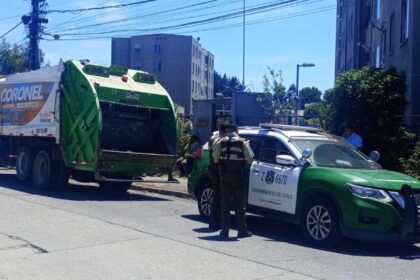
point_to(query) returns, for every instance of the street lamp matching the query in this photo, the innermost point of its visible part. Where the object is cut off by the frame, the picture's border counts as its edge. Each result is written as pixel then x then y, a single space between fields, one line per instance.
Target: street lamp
pixel 297 86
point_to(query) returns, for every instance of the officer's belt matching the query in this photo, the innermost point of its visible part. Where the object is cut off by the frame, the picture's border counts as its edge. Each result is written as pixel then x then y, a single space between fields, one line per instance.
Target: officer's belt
pixel 226 158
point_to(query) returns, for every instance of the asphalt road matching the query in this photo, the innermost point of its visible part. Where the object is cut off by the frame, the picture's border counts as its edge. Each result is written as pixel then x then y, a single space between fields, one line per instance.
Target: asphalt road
pixel 82 233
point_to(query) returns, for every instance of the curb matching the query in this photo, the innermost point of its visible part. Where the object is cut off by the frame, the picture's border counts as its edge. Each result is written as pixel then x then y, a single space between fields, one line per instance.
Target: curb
pixel 162 191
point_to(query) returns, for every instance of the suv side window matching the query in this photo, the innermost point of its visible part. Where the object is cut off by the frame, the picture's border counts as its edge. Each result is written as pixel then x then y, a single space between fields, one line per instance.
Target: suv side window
pixel 271 148
pixel 255 142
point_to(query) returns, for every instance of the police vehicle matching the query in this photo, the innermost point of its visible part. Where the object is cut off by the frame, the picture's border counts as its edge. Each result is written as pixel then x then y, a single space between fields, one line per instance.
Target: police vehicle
pixel 304 176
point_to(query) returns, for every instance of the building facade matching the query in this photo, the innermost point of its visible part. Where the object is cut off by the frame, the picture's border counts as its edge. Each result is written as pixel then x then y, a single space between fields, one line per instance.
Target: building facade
pixel 180 64
pixel 382 33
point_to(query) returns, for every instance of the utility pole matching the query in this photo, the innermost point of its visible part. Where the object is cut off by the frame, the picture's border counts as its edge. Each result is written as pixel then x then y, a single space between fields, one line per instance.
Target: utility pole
pixel 34 22
pixel 243 46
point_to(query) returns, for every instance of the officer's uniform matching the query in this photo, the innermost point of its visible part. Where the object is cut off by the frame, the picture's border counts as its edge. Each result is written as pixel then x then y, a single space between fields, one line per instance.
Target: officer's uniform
pixel 214 219
pixel 232 152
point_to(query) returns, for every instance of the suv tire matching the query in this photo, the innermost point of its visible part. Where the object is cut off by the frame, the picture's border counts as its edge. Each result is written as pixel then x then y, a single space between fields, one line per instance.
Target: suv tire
pixel 205 199
pixel 320 222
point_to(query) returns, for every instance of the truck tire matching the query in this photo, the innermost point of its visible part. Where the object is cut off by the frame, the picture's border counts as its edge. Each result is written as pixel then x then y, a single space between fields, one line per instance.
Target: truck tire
pixel 115 187
pixel 42 173
pixel 320 222
pixel 24 164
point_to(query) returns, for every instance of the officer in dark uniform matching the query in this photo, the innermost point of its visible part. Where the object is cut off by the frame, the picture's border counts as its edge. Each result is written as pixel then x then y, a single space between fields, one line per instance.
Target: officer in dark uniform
pixel 213 169
pixel 232 153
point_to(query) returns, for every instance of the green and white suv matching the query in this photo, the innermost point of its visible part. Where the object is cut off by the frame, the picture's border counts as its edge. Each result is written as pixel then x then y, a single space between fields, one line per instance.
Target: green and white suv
pixel 303 176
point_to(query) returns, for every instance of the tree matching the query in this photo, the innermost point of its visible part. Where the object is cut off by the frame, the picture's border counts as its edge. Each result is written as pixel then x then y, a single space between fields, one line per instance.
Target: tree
pixel 273 84
pixel 411 165
pixel 373 101
pixel 309 95
pixel 226 85
pixel 275 93
pixel 317 114
pixel 14 58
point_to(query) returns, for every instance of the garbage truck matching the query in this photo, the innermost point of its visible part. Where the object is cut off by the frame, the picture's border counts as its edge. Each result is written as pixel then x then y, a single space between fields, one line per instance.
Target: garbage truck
pixel 110 125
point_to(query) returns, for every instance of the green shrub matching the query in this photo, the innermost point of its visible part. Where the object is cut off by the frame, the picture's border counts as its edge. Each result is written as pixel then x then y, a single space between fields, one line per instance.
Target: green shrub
pixel 411 165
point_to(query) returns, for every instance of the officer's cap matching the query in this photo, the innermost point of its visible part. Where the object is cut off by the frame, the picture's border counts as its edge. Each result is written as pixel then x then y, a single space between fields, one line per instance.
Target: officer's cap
pixel 232 127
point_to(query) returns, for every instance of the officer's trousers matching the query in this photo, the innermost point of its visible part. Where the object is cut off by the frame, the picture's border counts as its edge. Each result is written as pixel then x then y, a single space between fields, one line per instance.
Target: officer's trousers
pixel 215 216
pixel 232 184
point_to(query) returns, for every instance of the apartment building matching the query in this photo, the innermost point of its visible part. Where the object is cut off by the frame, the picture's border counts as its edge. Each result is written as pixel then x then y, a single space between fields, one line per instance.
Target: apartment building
pixel 180 64
pixel 382 33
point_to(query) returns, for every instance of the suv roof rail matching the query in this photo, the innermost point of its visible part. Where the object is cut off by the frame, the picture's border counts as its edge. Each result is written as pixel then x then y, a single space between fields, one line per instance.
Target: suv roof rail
pixel 248 127
pixel 290 127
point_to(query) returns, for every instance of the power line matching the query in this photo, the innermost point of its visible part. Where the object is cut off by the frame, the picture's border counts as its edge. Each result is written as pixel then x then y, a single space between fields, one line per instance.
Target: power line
pixel 235 25
pixel 136 17
pixel 11 17
pixel 13 28
pixel 75 11
pixel 250 11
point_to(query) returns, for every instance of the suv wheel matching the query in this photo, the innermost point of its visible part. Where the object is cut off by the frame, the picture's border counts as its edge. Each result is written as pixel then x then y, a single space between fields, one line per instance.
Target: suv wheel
pixel 205 199
pixel 321 223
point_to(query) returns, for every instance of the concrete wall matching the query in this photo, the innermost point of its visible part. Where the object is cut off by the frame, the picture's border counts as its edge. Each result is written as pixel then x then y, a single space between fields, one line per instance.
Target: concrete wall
pixel 247 111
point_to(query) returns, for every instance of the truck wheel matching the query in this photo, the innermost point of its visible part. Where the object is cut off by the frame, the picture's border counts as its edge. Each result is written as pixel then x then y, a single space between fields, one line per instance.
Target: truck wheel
pixel 205 199
pixel 115 187
pixel 24 163
pixel 320 222
pixel 42 171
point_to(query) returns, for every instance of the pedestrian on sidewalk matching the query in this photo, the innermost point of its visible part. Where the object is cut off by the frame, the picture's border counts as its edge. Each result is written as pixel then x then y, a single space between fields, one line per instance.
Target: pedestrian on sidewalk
pixel 352 137
pixel 232 153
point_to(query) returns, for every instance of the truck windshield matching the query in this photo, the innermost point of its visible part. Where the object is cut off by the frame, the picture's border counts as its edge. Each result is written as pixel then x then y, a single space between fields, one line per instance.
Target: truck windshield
pixel 335 153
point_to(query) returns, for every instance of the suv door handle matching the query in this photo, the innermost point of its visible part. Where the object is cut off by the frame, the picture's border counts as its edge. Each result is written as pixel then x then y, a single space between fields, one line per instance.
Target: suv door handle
pixel 256 171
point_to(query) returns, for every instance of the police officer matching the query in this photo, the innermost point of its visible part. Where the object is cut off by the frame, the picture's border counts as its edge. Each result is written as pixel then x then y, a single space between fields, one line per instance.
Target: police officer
pixel 213 169
pixel 232 153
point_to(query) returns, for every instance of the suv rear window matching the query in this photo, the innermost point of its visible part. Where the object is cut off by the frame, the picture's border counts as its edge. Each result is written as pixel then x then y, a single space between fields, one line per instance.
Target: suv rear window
pixel 255 142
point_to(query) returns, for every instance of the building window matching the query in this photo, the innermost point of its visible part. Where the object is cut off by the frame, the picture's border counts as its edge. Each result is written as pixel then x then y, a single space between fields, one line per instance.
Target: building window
pixel 405 11
pixel 157 66
pixel 137 49
pixel 384 41
pixel 378 9
pixel 350 28
pixel 192 68
pixel 157 48
pixel 378 56
pixel 137 66
pixel 391 33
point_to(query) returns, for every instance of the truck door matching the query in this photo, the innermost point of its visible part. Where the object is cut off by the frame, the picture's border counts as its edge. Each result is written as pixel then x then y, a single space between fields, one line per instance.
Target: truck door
pixel 271 185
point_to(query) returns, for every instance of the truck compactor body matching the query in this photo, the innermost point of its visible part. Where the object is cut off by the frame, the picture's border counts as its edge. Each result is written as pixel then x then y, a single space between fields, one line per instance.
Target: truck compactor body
pixel 95 123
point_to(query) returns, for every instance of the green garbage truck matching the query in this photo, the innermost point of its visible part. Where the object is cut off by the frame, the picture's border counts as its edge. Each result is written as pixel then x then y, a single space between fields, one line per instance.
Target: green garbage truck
pixel 109 125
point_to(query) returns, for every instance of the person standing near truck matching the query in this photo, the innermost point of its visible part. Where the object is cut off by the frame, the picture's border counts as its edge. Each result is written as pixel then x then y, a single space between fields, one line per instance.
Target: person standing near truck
pixel 232 153
pixel 213 169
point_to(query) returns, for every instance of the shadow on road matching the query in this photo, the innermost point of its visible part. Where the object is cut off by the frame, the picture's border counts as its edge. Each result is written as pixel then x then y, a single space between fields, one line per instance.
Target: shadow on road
pixel 276 231
pixel 74 191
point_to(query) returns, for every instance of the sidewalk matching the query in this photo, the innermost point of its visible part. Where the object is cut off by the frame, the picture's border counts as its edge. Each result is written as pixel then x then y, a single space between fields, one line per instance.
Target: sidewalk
pixel 175 189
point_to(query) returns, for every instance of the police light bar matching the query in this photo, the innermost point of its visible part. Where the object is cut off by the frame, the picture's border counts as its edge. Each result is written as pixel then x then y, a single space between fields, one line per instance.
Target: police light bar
pixel 290 127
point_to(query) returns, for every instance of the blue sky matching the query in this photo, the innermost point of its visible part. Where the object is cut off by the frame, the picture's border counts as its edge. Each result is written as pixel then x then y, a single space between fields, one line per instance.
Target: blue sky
pixel 290 35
